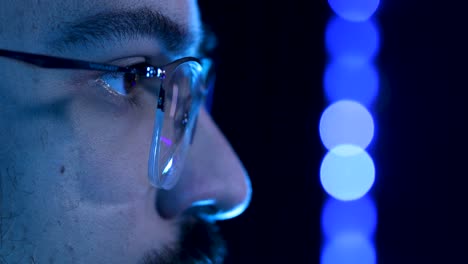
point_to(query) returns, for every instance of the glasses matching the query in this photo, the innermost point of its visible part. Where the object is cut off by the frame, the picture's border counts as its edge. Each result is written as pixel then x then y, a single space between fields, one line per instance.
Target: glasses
pixel 180 90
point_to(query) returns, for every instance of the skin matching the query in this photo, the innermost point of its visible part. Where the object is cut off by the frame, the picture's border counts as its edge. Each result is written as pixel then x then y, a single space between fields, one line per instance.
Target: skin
pixel 73 161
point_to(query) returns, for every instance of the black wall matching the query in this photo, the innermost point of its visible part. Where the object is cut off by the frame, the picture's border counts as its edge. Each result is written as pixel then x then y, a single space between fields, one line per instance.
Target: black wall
pixel 268 100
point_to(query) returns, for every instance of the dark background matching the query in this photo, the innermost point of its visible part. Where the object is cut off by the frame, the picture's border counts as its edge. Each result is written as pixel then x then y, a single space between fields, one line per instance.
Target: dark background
pixel 270 60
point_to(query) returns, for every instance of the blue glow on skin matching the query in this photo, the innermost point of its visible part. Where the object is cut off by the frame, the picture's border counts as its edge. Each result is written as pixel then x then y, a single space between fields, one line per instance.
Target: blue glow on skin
pixel 339 217
pixel 204 202
pixel 347 172
pixel 346 122
pixel 354 41
pixel 352 248
pixel 345 80
pixel 354 10
pixel 234 212
pixel 168 167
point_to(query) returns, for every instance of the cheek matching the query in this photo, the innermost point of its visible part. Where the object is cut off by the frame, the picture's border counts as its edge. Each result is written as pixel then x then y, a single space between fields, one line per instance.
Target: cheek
pixel 113 152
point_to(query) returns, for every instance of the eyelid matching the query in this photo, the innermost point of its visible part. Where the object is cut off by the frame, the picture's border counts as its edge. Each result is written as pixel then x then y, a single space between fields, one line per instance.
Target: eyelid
pixel 124 62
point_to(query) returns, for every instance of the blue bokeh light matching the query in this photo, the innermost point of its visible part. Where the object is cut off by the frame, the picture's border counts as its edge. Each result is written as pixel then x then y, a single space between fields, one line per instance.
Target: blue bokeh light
pixel 344 80
pixel 354 41
pixel 346 122
pixel 354 10
pixel 351 248
pixel 339 218
pixel 347 172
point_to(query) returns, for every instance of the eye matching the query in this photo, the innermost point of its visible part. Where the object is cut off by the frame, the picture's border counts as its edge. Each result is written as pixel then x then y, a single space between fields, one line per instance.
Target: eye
pixel 121 83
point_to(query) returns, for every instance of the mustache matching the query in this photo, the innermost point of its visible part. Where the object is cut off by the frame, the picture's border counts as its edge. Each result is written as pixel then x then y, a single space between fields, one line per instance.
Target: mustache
pixel 200 243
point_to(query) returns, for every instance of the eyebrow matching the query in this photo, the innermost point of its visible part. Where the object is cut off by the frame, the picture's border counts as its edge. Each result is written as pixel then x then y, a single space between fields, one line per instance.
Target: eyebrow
pixel 132 24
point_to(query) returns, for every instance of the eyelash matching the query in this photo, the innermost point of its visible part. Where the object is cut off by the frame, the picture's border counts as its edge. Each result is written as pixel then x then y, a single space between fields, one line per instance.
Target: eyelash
pixel 129 100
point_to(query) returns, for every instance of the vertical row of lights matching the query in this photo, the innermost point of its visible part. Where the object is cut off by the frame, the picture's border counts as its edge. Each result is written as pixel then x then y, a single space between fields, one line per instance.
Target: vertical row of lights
pixel 347 172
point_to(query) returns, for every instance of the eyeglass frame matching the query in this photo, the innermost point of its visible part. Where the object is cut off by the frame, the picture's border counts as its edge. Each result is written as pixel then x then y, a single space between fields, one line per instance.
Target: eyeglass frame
pixel 53 62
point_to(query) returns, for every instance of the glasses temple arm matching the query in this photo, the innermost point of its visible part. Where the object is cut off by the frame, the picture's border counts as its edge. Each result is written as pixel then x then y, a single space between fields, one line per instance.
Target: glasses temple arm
pixel 61 63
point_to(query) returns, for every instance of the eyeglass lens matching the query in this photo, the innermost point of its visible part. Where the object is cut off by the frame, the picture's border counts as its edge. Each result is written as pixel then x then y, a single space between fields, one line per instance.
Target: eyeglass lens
pixel 173 127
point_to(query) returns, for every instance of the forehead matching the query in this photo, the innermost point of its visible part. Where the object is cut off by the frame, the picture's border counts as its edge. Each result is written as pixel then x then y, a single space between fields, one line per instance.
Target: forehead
pixel 37 21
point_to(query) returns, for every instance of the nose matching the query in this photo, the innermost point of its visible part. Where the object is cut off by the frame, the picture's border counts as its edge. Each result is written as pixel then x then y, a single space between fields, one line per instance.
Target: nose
pixel 214 185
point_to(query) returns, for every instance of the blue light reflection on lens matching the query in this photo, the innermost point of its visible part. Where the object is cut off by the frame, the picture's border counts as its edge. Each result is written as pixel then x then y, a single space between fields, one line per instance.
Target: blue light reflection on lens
pixel 347 172
pixel 352 40
pixel 345 80
pixel 346 122
pixel 351 248
pixel 168 167
pixel 354 10
pixel 339 218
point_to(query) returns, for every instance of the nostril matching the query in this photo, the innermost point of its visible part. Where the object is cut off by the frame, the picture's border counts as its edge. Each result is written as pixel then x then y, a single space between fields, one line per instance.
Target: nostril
pixel 204 209
pixel 232 212
pixel 208 213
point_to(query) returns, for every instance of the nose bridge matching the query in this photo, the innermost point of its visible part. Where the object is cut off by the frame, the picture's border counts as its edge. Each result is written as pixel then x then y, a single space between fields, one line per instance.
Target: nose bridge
pixel 213 178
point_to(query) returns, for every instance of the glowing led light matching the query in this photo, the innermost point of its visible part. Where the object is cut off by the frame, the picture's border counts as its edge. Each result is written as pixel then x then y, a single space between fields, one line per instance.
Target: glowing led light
pixel 346 122
pixel 347 172
pixel 168 167
pixel 354 10
pixel 349 249
pixel 344 80
pixel 339 218
pixel 352 41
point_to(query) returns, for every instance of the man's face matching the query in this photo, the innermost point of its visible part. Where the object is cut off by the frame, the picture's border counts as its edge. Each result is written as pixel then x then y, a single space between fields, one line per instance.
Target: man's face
pixel 73 157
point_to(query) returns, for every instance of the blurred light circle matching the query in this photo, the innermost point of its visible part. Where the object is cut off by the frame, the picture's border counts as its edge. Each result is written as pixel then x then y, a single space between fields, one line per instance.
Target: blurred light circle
pixel 344 80
pixel 339 217
pixel 351 248
pixel 347 172
pixel 358 41
pixel 354 10
pixel 346 122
